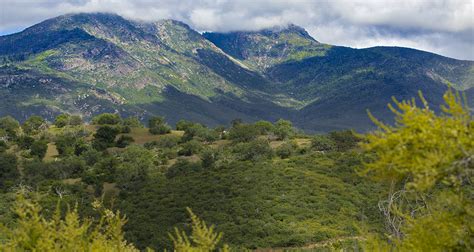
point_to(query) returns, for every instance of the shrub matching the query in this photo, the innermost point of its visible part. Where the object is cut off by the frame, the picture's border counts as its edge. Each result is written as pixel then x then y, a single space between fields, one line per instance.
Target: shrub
pixel 107 119
pixel 160 130
pixel 62 120
pixel 253 151
pixel 124 141
pixel 189 148
pixel 39 148
pixel 105 137
pixel 9 125
pixel 33 125
pixel 344 140
pixel 283 129
pixel 132 122
pixel 9 174
pixel 243 133
pixel 286 150
pixel 322 143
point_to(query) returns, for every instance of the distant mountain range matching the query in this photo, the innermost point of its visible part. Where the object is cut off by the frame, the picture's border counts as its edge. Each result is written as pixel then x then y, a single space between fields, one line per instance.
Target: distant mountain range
pixel 95 63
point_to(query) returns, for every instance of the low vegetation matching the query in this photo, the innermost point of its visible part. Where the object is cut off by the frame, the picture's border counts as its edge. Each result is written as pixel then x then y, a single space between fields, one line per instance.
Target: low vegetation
pixel 405 187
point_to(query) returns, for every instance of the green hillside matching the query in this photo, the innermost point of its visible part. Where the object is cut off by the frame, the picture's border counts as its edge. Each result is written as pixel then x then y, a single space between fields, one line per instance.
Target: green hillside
pixel 111 64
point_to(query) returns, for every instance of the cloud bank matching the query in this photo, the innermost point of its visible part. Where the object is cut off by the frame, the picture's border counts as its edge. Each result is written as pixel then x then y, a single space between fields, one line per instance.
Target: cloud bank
pixel 441 26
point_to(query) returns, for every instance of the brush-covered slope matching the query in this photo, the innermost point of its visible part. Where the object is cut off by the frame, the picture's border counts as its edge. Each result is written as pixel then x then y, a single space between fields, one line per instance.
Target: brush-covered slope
pixel 265 48
pixel 168 68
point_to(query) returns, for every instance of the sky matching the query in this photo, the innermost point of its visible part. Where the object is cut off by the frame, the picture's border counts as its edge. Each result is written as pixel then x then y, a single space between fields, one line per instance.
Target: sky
pixel 445 27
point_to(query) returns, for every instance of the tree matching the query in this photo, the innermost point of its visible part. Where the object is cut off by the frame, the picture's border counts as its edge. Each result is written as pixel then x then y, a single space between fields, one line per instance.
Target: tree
pixel 189 148
pixel 10 126
pixel 39 148
pixel 264 127
pixel 344 140
pixel 158 126
pixel 9 174
pixel 183 125
pixel 132 122
pixel 33 125
pixel 33 232
pixel 243 133
pixel 105 137
pixel 428 160
pixel 107 119
pixel 124 140
pixel 283 129
pixel 134 165
pixel 75 120
pixel 323 143
pixel 286 149
pixel 62 120
pixel 253 151
pixel 203 238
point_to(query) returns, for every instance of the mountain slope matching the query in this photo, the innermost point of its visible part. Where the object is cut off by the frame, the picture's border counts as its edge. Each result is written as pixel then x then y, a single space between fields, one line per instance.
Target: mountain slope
pixel 168 68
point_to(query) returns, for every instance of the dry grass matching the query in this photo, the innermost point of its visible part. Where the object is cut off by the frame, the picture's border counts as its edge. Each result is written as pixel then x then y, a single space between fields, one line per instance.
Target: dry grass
pixel 51 153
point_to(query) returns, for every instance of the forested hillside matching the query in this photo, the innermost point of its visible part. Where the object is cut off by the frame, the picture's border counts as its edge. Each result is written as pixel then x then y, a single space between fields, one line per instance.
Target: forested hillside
pixel 97 62
pixel 263 185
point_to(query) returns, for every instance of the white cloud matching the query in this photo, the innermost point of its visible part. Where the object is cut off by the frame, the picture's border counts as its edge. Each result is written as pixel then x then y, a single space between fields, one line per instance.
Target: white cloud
pixel 441 26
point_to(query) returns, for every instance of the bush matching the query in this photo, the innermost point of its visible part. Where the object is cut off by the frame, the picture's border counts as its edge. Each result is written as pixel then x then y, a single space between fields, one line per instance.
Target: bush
pixel 253 151
pixel 189 148
pixel 183 125
pixel 283 129
pixel 62 120
pixel 286 150
pixel 158 126
pixel 9 174
pixel 344 140
pixel 124 141
pixel 322 143
pixel 25 142
pixel 132 122
pixel 33 125
pixel 243 133
pixel 167 141
pixel 9 125
pixel 160 130
pixel 107 119
pixel 105 137
pixel 264 127
pixel 39 149
pixel 182 167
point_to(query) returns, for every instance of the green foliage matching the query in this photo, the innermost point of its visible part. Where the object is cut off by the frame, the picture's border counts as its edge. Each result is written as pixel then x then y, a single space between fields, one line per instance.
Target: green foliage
pixel 157 126
pixel 190 147
pixel 199 132
pixel 344 140
pixel 105 137
pixel 124 141
pixel 39 148
pixel 25 141
pixel 183 125
pixel 10 126
pixel 264 127
pixel 62 120
pixel 33 232
pixel 203 238
pixel 283 129
pixel 9 174
pixel 33 125
pixel 107 119
pixel 132 122
pixel 322 143
pixel 252 151
pixel 286 150
pixel 243 133
pixel 428 159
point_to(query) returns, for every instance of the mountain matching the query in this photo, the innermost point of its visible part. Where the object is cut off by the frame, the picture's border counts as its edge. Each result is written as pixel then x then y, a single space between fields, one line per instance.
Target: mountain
pixel 98 62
